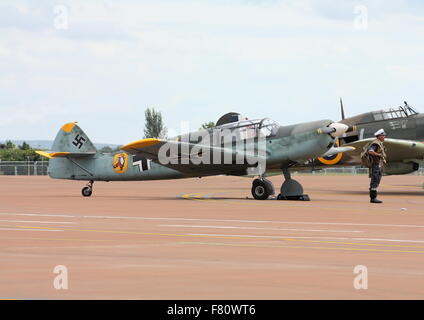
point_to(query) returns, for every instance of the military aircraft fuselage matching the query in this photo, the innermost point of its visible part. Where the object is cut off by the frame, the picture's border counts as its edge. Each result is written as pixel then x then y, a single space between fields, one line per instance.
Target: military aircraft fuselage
pixel 399 123
pixel 408 127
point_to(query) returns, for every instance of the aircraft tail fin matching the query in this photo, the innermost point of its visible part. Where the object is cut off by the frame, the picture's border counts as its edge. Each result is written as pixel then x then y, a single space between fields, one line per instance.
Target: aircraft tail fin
pixel 70 141
pixel 73 155
pixel 71 138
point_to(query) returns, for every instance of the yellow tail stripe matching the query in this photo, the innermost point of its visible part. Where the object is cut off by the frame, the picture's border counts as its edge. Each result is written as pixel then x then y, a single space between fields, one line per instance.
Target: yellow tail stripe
pixel 68 127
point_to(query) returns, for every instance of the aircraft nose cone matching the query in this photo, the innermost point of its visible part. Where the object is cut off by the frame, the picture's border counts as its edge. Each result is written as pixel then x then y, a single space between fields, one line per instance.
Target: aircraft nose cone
pixel 339 129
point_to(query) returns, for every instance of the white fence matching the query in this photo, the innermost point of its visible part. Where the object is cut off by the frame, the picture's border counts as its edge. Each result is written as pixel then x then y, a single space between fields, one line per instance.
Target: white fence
pixel 23 168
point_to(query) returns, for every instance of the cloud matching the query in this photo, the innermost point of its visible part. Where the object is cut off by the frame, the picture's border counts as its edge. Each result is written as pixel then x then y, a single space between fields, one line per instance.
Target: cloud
pixel 22 17
pixel 196 60
pixel 49 17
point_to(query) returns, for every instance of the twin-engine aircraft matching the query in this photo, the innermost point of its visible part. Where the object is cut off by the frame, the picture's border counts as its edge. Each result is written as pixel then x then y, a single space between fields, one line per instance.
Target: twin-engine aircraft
pixel 404 143
pixel 233 147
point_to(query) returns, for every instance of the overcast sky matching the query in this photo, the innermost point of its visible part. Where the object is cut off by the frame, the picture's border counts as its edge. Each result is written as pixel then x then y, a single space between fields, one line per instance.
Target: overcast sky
pixel 101 63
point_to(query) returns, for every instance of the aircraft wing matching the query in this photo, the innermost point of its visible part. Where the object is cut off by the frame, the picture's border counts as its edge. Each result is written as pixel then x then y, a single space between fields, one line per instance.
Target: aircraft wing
pixel 147 147
pixel 151 148
pixel 397 149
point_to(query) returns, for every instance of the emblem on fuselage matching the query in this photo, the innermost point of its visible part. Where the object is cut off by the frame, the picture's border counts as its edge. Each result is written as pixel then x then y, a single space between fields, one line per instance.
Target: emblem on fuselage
pixel 120 162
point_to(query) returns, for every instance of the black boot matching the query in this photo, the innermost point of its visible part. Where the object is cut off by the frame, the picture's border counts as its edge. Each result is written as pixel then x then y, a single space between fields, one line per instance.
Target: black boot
pixel 373 196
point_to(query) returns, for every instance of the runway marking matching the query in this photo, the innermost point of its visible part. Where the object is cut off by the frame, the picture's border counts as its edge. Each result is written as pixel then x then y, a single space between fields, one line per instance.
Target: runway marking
pixel 391 240
pixel 290 238
pixel 299 247
pixel 254 228
pixel 240 237
pixel 31 221
pixel 56 239
pixel 230 220
pixel 259 221
pixel 260 236
pixel 38 215
pixel 20 229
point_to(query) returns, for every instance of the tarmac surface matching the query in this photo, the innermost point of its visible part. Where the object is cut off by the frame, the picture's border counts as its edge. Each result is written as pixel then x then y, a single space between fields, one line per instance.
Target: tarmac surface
pixel 204 239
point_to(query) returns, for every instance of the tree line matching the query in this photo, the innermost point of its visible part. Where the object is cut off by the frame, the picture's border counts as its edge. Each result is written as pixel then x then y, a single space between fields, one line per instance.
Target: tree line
pixel 10 152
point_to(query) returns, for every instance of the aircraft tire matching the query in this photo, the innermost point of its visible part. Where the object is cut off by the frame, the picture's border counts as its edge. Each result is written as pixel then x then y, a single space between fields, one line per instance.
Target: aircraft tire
pixel 86 191
pixel 261 189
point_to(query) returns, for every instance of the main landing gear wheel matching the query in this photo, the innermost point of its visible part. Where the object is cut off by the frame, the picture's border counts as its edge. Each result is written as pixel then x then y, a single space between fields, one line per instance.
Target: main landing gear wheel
pixel 262 189
pixel 291 189
pixel 87 190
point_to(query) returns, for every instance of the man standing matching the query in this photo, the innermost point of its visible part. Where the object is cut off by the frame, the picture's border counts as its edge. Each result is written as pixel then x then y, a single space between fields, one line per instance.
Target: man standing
pixel 377 151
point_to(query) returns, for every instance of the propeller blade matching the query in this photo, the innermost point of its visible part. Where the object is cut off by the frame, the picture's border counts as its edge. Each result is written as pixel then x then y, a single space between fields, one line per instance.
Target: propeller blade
pixel 342 109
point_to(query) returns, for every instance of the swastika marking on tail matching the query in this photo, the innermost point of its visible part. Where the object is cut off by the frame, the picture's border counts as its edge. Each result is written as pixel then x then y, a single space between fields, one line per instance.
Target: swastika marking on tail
pixel 79 141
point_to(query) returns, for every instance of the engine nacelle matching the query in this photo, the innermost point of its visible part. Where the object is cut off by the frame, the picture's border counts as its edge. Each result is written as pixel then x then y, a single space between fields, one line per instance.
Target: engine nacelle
pixel 400 168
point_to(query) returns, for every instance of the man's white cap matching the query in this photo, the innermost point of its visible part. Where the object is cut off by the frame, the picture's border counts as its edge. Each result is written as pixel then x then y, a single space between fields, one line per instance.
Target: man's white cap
pixel 380 133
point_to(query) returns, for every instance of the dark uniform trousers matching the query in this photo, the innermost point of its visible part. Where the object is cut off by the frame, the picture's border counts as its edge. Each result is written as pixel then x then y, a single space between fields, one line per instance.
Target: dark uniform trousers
pixel 376 174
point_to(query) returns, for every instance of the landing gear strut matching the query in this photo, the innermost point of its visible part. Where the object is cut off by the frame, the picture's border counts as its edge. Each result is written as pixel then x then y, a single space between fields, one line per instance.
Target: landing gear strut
pixel 88 190
pixel 262 189
pixel 291 189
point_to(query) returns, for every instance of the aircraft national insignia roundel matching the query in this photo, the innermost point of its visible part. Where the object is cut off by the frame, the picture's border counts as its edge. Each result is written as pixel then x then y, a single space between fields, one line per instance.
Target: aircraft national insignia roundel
pixel 333 159
pixel 120 162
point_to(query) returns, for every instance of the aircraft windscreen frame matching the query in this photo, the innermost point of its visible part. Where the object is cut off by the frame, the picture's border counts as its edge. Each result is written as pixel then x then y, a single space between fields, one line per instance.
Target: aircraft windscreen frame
pixel 392 113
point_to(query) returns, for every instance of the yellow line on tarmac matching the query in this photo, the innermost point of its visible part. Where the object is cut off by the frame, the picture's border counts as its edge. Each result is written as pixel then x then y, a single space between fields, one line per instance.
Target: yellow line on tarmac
pixel 355 243
pixel 198 195
pixel 299 247
pixel 237 238
pixel 59 239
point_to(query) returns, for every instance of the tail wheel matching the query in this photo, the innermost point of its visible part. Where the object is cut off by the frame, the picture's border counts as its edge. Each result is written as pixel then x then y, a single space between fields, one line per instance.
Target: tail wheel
pixel 262 189
pixel 87 191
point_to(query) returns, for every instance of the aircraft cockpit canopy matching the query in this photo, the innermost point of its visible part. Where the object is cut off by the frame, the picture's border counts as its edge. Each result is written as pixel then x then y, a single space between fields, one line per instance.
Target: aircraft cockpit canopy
pixel 269 127
pixel 246 129
pixel 394 113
